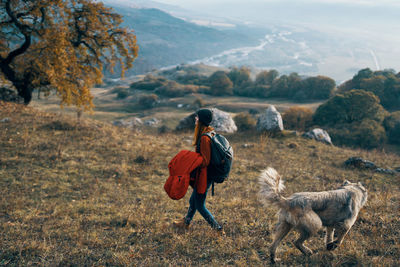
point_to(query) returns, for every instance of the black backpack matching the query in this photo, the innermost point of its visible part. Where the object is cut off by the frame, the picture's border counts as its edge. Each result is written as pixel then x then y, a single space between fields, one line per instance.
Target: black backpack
pixel 221 158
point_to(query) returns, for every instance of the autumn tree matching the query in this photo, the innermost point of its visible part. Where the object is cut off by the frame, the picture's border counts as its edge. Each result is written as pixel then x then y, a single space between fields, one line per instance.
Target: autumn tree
pixel 220 84
pixel 61 45
pixel 266 77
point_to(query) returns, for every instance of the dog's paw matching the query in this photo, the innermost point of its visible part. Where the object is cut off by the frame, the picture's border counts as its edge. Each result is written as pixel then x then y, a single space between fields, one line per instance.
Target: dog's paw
pixel 331 246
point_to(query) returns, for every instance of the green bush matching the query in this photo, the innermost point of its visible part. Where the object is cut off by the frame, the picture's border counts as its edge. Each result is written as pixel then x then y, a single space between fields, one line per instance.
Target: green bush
pixel 366 134
pixel 220 84
pixel 148 101
pixel 122 93
pixel 149 83
pixel 245 121
pixel 385 84
pixel 297 118
pixel 352 106
pixel 394 134
pixel 392 126
pixel 174 89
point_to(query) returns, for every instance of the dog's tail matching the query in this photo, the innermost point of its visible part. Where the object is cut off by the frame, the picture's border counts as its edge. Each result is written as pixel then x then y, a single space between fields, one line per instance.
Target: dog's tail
pixel 271 186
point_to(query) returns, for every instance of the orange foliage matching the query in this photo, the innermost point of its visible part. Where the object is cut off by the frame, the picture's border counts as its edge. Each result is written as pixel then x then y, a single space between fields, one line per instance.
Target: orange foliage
pixel 62 46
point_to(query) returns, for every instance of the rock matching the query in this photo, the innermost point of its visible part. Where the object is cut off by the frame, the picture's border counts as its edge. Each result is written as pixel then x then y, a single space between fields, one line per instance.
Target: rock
pixel 247 145
pixel 186 123
pixel 270 120
pixel 129 123
pixel 387 171
pixel 319 135
pixel 366 164
pixel 152 122
pixel 222 122
pixel 360 163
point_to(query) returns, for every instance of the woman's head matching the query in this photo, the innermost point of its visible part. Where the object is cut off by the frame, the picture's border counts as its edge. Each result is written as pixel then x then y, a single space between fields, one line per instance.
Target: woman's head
pixel 203 120
pixel 204 116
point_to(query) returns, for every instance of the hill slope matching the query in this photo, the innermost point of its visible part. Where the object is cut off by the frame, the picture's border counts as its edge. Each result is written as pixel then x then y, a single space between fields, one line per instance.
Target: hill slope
pixel 92 195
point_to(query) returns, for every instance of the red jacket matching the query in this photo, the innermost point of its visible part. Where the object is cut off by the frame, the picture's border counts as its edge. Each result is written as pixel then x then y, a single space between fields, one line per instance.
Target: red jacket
pixel 180 168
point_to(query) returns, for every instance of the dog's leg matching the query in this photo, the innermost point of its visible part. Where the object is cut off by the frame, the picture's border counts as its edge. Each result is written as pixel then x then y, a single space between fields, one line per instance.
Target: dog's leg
pixel 341 233
pixel 304 235
pixel 281 231
pixel 329 235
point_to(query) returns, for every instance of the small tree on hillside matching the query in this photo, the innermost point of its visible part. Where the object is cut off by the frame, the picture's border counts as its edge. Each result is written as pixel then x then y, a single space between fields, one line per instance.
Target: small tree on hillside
pixel 240 77
pixel 266 77
pixel 320 87
pixel 61 45
pixel 220 84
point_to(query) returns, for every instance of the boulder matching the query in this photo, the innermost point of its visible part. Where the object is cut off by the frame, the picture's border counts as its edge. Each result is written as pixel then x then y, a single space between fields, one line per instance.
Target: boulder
pixel 360 163
pixel 270 121
pixel 186 123
pixel 222 122
pixel 319 135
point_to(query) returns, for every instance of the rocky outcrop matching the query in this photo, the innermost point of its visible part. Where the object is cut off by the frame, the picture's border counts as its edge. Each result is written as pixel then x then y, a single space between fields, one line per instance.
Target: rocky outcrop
pixel 270 121
pixel 361 163
pixel 320 135
pixel 129 123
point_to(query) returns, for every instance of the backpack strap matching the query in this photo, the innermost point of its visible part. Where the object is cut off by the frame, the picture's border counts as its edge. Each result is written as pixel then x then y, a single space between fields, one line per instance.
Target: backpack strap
pixel 210 135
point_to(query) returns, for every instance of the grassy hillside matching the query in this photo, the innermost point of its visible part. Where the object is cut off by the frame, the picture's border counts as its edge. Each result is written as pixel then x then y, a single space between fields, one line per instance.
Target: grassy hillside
pixel 92 194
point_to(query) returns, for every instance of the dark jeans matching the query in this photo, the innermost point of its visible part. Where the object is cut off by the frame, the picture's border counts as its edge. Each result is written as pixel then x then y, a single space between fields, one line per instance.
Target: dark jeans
pixel 198 202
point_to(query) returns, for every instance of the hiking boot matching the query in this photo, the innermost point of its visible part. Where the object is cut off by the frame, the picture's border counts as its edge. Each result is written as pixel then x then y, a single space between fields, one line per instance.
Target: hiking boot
pixel 181 224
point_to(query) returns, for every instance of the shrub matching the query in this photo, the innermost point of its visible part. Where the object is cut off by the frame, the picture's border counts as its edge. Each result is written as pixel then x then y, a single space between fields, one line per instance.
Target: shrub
pixel 193 78
pixel 149 83
pixel 148 101
pixel 244 121
pixel 392 126
pixel 384 84
pixel 220 84
pixel 174 89
pixel 394 134
pixel 266 77
pixel 352 106
pixel 365 134
pixel 319 87
pixel 122 93
pixel 297 118
pixel 240 77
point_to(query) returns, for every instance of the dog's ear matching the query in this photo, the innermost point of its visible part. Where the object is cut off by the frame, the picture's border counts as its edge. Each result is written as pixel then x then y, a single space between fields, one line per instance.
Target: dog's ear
pixel 346 183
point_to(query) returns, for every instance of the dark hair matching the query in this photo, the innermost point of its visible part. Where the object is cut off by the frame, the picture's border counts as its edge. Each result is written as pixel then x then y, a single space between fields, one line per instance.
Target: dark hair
pixel 205 116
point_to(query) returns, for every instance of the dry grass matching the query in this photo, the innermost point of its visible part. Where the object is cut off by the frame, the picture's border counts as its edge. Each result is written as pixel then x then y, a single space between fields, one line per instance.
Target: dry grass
pixel 93 195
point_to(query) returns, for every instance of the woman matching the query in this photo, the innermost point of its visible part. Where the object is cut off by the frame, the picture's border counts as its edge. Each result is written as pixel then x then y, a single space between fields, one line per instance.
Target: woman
pixel 201 184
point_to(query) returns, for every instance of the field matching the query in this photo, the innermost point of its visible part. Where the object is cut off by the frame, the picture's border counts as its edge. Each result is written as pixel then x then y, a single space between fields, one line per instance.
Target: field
pixel 92 195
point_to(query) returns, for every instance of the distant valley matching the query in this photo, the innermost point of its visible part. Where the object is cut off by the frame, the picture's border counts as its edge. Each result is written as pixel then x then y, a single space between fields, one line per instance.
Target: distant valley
pixel 166 41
